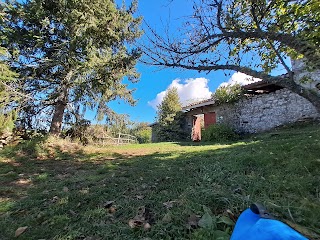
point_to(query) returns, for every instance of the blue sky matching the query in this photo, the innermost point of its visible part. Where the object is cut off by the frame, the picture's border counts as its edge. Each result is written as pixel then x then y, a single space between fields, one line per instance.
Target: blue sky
pixel 154 81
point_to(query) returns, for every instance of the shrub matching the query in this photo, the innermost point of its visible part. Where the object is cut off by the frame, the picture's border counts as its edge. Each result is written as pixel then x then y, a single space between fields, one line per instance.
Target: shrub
pixel 219 133
pixel 228 94
pixel 144 135
pixel 7 121
pixel 78 131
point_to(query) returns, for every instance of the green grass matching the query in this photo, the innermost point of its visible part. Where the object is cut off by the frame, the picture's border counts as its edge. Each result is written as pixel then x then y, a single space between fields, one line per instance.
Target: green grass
pixel 59 190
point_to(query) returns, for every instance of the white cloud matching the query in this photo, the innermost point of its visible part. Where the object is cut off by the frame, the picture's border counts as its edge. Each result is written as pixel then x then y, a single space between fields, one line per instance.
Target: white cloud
pixel 189 90
pixel 240 78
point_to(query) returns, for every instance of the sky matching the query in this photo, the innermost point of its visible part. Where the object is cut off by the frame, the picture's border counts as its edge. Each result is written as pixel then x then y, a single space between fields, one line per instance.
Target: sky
pixel 154 82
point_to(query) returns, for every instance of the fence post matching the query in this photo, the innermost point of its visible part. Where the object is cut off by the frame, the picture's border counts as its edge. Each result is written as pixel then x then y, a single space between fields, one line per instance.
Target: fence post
pixel 119 138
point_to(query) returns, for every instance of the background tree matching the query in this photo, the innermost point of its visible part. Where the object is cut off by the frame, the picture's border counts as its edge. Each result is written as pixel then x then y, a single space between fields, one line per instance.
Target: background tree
pixel 118 123
pixel 7 95
pixel 249 36
pixel 72 53
pixel 170 117
pixel 228 94
pixel 142 131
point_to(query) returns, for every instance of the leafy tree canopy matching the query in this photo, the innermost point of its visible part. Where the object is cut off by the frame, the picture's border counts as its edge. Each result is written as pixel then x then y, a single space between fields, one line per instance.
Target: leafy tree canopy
pixel 228 94
pixel 249 36
pixel 8 94
pixel 72 53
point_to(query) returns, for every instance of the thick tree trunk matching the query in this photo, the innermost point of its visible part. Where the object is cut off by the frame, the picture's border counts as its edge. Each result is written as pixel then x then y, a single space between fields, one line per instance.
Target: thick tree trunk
pixel 60 105
pixel 57 118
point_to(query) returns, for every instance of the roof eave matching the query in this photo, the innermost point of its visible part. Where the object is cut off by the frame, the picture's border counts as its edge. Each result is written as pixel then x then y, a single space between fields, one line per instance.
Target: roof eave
pixel 211 102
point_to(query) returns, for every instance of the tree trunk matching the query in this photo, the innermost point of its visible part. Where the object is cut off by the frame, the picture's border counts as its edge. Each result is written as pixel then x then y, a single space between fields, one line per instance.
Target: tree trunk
pixel 57 118
pixel 60 105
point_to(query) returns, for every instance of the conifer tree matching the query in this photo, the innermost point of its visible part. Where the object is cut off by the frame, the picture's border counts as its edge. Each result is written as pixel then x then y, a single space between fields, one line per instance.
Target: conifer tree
pixel 72 53
pixel 170 117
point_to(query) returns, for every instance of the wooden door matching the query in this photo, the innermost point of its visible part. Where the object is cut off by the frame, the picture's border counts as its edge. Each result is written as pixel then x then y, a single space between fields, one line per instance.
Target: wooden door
pixel 196 129
pixel 209 119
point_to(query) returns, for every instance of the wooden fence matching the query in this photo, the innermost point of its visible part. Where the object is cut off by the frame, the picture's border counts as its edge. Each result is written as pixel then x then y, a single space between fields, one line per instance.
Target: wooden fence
pixel 120 140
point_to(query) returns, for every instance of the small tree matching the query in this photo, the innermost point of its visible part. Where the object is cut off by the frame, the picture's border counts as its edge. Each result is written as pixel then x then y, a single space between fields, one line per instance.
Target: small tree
pixel 170 117
pixel 142 131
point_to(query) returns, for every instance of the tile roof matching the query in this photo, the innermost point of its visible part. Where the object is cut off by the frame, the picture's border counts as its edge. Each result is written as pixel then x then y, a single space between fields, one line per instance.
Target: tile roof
pixel 251 86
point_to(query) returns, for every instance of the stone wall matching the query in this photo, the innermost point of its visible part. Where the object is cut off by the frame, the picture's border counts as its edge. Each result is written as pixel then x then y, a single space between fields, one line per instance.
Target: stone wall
pixel 266 111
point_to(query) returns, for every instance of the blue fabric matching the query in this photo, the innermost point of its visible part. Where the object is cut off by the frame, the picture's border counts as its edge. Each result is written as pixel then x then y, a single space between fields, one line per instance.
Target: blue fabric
pixel 251 226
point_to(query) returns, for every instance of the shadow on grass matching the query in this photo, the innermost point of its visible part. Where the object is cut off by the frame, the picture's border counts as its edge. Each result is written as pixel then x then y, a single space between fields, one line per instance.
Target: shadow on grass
pixel 61 194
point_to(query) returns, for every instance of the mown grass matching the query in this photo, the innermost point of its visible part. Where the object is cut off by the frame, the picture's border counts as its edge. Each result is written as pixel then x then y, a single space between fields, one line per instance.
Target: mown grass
pixel 59 190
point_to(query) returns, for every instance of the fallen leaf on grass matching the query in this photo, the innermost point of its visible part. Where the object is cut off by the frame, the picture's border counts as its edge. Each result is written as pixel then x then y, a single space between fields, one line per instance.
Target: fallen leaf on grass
pixel 169 204
pixel 193 221
pixel 19 231
pixel 230 212
pixel 142 219
pixel 231 215
pixel 55 199
pixel 108 204
pixel 84 191
pixel 146 226
pixel 135 223
pixel 112 210
pixel 73 213
pixel 140 197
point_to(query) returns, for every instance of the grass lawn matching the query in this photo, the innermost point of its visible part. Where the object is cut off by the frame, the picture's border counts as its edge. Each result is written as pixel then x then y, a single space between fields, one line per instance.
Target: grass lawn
pixel 159 191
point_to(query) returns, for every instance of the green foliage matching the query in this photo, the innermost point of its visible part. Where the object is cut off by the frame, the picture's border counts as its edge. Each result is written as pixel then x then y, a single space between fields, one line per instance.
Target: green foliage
pixel 63 181
pixel 73 52
pixel 78 131
pixel 213 227
pixel 6 73
pixel 219 133
pixel 142 131
pixel 252 37
pixel 170 118
pixel 296 21
pixel 169 106
pixel 144 135
pixel 96 130
pixel 118 123
pixel 228 94
pixel 7 97
pixel 7 121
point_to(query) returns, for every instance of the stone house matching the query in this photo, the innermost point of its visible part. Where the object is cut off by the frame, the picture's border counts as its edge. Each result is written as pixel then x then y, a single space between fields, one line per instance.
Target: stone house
pixel 265 106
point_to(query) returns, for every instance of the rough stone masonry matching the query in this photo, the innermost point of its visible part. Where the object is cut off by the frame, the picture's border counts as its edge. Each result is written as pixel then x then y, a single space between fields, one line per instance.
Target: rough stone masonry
pixel 266 111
